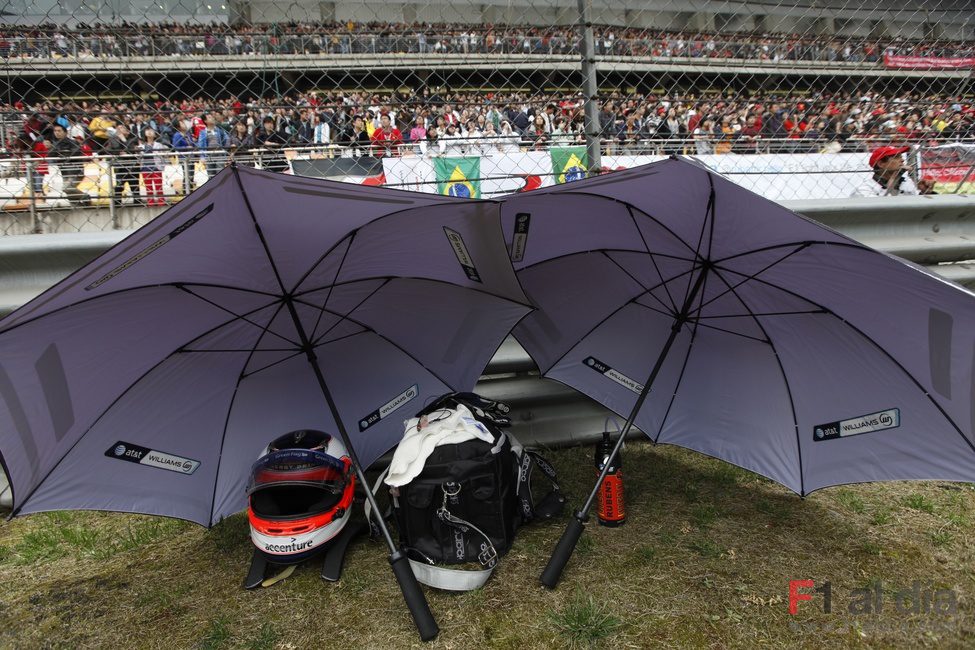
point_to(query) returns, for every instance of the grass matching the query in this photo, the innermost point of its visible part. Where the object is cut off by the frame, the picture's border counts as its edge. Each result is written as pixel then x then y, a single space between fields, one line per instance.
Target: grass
pixel 704 560
pixel 881 517
pixel 72 534
pixel 217 635
pixel 266 638
pixel 917 501
pixel 584 622
pixel 705 548
pixel 851 500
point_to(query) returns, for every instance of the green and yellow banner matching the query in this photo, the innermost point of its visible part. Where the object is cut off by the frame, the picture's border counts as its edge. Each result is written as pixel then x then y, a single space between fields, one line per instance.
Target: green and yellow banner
pixel 458 177
pixel 569 164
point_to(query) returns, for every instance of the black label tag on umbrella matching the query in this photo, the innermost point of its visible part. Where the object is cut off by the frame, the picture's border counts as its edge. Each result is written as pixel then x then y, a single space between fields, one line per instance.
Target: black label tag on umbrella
pixel 615 375
pixel 151 248
pixel 520 240
pixel 889 419
pixel 464 257
pixel 389 407
pixel 152 458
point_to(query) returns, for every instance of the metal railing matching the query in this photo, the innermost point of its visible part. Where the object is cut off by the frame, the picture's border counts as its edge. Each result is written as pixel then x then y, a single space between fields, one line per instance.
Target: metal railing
pixel 39 185
pixel 464 40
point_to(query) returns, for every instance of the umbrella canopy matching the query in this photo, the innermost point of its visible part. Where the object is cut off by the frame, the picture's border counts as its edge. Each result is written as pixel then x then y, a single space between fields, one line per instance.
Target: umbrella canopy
pixel 724 323
pixel 151 379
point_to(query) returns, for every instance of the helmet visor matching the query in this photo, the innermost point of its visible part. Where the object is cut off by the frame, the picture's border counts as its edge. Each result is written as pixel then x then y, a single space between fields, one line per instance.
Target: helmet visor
pixel 299 467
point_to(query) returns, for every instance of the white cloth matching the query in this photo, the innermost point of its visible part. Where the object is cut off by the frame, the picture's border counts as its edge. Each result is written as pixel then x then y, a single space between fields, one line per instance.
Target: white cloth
pixel 870 187
pixel 445 427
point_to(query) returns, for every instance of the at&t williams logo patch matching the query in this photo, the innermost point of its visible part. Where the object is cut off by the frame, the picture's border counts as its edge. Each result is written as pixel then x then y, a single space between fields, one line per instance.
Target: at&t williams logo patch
pixel 889 419
pixel 145 456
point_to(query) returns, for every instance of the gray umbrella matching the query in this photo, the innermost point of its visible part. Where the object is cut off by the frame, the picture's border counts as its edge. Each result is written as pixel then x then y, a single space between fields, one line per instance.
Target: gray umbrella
pixel 151 379
pixel 720 321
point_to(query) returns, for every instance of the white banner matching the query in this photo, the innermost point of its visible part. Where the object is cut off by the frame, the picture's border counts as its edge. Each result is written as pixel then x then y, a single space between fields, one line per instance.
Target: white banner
pixel 779 177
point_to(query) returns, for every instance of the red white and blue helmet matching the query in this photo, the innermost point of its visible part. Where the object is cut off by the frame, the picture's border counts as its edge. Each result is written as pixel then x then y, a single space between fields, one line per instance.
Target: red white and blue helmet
pixel 299 495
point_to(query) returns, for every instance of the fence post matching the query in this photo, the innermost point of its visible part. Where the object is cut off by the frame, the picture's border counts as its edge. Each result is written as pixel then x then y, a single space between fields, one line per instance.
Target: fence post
pixel 112 212
pixel 590 90
pixel 187 179
pixel 31 174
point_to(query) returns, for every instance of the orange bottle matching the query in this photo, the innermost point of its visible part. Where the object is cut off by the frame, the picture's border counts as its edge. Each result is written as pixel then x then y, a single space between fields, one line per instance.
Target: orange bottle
pixel 611 510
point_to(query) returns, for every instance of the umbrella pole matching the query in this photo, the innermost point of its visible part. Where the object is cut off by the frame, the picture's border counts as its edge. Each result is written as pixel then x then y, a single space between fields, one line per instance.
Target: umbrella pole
pixel 415 600
pixel 567 543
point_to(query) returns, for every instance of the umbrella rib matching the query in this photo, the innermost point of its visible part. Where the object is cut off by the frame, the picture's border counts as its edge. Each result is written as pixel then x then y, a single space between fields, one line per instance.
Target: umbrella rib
pixel 655 310
pixel 239 350
pixel 708 217
pixel 331 287
pixel 229 311
pixel 785 378
pixel 430 204
pixel 765 313
pixel 345 317
pixel 754 275
pixel 808 242
pixel 879 347
pixel 401 278
pixel 680 380
pixel 642 286
pixel 272 364
pixel 257 227
pixel 321 343
pixel 383 337
pixel 633 207
pixel 712 201
pixel 125 290
pixel 321 259
pixel 230 408
pixel 646 247
pixel 342 284
pixel 632 300
pixel 733 333
pixel 605 250
pixel 114 402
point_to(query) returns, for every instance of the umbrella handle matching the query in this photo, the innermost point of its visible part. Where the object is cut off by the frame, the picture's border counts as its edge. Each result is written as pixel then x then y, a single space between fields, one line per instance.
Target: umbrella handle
pixel 563 550
pixel 415 600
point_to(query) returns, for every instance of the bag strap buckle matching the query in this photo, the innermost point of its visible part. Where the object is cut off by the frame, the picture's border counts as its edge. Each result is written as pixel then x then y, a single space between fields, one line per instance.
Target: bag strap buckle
pixel 488 556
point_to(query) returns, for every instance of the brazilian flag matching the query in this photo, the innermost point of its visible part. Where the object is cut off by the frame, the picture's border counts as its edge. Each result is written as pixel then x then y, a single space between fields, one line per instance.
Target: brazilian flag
pixel 458 177
pixel 569 164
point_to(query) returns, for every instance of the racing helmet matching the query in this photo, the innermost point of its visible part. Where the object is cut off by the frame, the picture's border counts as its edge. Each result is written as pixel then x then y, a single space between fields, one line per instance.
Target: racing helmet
pixel 299 495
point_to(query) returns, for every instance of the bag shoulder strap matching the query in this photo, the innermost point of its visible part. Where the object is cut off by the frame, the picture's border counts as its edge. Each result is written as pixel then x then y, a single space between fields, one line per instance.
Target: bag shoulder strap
pixel 552 503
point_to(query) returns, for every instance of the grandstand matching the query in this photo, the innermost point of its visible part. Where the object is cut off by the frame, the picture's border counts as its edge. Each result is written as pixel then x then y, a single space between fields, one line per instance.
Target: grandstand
pixel 913 19
pixel 749 79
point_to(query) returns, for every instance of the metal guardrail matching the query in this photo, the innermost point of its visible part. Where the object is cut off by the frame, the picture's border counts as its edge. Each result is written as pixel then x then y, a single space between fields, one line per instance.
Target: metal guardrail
pixel 932 230
pixel 109 67
pixel 463 39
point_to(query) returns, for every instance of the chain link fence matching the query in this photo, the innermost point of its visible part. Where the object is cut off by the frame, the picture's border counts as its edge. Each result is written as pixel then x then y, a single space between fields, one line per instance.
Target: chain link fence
pixel 112 111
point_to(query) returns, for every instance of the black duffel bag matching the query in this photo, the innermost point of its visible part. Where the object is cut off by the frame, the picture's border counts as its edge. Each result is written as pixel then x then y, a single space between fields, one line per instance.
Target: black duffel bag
pixel 468 501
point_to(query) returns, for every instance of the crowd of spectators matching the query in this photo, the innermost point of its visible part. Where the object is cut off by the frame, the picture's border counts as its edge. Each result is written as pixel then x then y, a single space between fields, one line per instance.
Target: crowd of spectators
pixel 142 134
pixel 173 39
